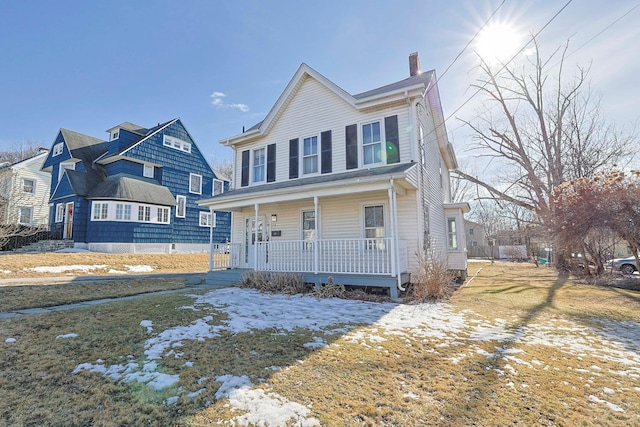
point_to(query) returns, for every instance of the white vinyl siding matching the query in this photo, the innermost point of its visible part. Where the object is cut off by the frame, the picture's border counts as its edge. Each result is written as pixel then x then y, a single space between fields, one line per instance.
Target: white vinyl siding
pixel 314 107
pixel 28 187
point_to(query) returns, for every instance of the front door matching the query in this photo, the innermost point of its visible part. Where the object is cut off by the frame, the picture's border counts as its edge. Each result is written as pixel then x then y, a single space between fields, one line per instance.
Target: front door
pixel 68 221
pixel 250 237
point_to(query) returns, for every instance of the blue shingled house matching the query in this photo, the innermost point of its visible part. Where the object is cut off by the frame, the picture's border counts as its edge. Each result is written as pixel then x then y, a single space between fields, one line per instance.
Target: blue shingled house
pixel 136 192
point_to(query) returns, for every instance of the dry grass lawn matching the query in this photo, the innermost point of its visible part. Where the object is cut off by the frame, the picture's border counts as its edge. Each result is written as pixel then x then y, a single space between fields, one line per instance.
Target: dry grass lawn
pixel 21 265
pixel 516 346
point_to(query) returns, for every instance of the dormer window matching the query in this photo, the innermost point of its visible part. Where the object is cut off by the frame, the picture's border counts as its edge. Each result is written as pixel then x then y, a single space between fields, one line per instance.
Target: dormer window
pixel 176 144
pixel 115 134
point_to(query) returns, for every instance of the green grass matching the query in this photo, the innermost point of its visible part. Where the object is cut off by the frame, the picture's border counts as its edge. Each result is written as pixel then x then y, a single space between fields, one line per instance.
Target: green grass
pixel 403 380
pixel 32 296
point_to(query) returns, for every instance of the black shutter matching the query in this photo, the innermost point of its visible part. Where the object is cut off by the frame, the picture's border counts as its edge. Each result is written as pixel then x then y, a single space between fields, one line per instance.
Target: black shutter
pixel 293 158
pixel 244 181
pixel 351 138
pixel 393 139
pixel 271 162
pixel 325 147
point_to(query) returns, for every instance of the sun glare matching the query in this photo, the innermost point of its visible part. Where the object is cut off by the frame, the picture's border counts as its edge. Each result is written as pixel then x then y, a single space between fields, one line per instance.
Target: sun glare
pixel 497 43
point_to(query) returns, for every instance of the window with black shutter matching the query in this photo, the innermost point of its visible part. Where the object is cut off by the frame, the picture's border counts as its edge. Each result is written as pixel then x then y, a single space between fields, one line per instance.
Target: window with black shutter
pixel 293 158
pixel 244 180
pixel 393 139
pixel 351 138
pixel 325 148
pixel 271 162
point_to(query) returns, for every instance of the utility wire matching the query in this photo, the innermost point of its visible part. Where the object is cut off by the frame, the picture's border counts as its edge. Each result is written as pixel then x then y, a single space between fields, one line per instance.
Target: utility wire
pixel 472 39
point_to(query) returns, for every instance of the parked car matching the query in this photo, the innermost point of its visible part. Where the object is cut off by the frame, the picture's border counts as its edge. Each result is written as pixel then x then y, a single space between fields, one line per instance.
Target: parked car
pixel 626 265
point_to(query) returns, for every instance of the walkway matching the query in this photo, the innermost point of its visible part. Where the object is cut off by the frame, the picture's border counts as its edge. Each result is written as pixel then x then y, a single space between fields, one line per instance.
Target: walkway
pixel 192 281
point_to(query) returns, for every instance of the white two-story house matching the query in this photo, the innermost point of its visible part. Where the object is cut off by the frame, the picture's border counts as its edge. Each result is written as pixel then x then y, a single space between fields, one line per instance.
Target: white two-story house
pixel 351 187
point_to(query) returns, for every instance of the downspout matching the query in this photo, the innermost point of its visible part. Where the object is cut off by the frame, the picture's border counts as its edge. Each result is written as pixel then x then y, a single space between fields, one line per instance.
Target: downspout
pixel 392 214
pixel 412 126
pixel 395 235
pixel 255 241
pixel 315 235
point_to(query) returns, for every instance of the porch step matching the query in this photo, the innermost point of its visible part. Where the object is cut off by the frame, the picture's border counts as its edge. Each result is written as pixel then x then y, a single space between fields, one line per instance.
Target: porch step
pixel 225 277
pixel 45 246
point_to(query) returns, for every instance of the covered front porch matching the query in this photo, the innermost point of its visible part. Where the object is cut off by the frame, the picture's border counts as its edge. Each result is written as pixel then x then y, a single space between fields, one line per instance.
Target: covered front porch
pixel 348 231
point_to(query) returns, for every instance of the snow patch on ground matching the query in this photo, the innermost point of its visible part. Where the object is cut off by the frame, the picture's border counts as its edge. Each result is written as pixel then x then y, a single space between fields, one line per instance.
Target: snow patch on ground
pixel 263 408
pixel 10 340
pixel 66 336
pixel 65 268
pixel 139 268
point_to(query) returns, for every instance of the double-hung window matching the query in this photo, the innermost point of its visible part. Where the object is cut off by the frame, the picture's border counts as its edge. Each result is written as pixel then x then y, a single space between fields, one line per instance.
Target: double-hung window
pixel 374 226
pixel 195 183
pixel 258 165
pixel 181 209
pixel 29 185
pixel 310 155
pixel 147 171
pixel 59 212
pixel 163 215
pixel 206 219
pixel 452 233
pixel 218 187
pixel 100 211
pixel 26 215
pixel 372 143
pixel 144 213
pixel 123 212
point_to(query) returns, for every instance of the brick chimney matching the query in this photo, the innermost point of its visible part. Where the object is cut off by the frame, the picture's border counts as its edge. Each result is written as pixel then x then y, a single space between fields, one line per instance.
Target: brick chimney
pixel 414 64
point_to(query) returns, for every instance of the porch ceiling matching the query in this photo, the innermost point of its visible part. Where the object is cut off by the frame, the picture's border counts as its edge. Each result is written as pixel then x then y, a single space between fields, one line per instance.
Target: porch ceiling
pixel 358 181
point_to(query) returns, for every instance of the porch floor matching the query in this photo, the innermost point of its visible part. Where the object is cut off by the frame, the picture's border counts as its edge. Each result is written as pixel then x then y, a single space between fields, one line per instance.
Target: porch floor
pixel 234 277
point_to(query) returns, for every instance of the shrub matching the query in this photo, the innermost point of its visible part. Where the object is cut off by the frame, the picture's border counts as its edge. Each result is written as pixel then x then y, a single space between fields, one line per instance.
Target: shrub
pixel 433 280
pixel 329 290
pixel 269 282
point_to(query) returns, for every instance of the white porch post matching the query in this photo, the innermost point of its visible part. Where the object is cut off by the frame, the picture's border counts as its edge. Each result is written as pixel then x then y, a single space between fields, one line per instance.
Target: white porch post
pixel 211 241
pixel 315 235
pixel 255 241
pixel 392 217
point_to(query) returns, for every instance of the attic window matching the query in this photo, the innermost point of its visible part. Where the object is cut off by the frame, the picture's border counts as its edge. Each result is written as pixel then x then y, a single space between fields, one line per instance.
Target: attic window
pixel 57 149
pixel 114 135
pixel 175 143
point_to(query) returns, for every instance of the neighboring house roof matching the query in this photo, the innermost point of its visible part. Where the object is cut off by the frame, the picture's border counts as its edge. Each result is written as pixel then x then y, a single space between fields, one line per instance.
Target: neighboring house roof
pixel 132 188
pixel 115 152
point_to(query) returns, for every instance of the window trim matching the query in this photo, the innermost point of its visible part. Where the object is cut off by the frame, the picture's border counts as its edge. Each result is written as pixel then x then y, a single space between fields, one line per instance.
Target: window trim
pixel 31 213
pixel 184 207
pixel 176 143
pixel 363 227
pixel 302 156
pixel 99 211
pixel 263 165
pixel 60 210
pixel 62 168
pixel 198 190
pixel 361 145
pixel 146 169
pixel 453 245
pixel 118 211
pixel 211 219
pixel 213 186
pixel 33 186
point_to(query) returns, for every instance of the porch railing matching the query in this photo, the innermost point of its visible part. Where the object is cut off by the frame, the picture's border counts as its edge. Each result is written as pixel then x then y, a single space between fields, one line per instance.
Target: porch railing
pixel 225 255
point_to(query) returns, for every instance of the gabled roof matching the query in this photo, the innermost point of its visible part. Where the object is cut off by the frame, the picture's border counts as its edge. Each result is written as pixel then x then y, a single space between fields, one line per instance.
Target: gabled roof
pixel 83 182
pixel 114 152
pixel 75 140
pixel 132 188
pixel 411 86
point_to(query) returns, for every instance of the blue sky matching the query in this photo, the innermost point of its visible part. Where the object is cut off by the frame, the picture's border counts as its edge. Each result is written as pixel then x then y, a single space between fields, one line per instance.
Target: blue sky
pixel 87 66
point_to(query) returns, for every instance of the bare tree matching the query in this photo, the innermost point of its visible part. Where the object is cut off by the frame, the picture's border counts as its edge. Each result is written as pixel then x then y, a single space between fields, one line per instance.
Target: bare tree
pixel 543 127
pixel 20 151
pixel 224 170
